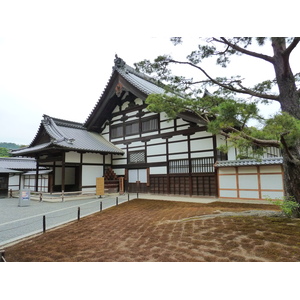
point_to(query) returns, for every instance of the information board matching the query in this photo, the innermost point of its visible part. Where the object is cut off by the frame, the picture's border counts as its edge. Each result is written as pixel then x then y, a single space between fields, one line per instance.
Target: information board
pixel 24 198
pixel 100 186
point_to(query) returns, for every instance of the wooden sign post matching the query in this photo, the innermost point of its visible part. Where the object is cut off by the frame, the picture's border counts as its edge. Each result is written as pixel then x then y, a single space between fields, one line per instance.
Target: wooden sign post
pixel 100 186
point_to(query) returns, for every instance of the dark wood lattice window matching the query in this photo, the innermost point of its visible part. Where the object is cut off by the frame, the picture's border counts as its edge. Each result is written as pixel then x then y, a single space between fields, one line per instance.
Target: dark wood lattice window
pixel 137 157
pixel 179 166
pixel 198 165
pixel 203 165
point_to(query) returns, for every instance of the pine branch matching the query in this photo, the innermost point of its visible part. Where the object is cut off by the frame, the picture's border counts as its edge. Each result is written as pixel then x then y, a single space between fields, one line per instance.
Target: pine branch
pixel 243 90
pixel 245 51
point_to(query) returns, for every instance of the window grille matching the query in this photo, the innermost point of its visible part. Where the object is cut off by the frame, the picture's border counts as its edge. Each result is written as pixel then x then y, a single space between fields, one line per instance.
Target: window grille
pixel 203 165
pixel 198 165
pixel 179 166
pixel 136 157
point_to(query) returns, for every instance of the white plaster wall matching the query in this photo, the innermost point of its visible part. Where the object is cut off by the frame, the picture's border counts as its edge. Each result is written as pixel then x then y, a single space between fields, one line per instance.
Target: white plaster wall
pixel 201 134
pixel 271 181
pixel 108 158
pixel 249 194
pixel 73 157
pixel 178 156
pixel 177 138
pixel 156 141
pixel 248 182
pixel 157 149
pixel 137 144
pixel 228 194
pixel 242 170
pixel 202 144
pixel 227 182
pixel 231 154
pixel 13 182
pixel 120 162
pixel 158 170
pixel 92 158
pixel 270 169
pixel 202 154
pixel 229 170
pixel 119 172
pixel 90 173
pixel 178 147
pixel 162 158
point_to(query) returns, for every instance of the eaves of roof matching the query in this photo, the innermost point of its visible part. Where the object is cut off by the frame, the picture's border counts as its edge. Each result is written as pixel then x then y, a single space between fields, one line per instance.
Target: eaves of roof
pixel 18 163
pixel 249 162
pixel 8 171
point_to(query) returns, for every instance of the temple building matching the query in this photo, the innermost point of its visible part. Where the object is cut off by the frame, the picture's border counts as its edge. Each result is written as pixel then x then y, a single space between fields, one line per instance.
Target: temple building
pixel 152 153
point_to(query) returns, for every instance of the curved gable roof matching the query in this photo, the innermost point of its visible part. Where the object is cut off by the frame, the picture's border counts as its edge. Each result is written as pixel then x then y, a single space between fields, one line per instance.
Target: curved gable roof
pixel 126 78
pixel 70 136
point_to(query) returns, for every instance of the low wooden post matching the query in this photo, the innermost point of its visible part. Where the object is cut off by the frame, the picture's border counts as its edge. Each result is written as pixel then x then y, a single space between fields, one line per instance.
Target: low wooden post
pixel 44 224
pixel 78 213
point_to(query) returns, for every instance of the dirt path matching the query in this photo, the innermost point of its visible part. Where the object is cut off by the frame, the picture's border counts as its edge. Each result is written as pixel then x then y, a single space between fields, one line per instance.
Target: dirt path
pixel 145 230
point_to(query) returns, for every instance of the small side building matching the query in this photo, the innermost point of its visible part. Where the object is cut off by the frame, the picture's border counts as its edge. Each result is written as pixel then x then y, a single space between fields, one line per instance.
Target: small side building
pixel 22 174
pixel 250 179
pixel 4 180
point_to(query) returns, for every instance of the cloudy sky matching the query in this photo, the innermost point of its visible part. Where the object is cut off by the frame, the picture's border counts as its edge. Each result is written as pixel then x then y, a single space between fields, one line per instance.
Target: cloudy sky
pixel 56 57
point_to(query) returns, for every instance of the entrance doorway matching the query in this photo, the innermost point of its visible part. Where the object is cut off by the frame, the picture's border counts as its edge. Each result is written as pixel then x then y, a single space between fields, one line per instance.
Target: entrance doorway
pixel 71 179
pixel 3 185
pixel 137 181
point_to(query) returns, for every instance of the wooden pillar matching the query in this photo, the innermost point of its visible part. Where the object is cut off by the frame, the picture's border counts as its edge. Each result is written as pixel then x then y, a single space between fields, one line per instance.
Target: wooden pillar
pixel 190 166
pixel 215 159
pixel 37 175
pixel 104 163
pixel 168 166
pixel 63 172
pixel 80 172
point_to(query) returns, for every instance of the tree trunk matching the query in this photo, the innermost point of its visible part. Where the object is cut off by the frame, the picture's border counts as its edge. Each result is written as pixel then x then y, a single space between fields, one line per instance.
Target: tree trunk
pixel 290 103
pixel 291 181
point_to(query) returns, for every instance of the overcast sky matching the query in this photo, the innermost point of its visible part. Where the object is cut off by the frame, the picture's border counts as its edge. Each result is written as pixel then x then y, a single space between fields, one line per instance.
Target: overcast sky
pixel 57 56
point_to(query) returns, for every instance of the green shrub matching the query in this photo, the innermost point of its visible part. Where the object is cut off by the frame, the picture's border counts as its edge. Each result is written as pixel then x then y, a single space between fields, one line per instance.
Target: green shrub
pixel 288 205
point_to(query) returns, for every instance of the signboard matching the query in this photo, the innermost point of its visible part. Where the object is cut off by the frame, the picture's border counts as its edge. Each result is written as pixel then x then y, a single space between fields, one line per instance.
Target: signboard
pixel 24 198
pixel 100 186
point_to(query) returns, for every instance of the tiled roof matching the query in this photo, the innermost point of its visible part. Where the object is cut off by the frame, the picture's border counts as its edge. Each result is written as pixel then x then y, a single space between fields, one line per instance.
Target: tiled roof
pixel 18 163
pixel 249 162
pixel 72 136
pixel 139 80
